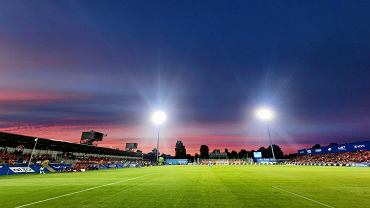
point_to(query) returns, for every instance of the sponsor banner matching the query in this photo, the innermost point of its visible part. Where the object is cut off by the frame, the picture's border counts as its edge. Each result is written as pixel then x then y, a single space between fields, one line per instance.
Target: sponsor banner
pixel 103 166
pixel 331 149
pixel 264 160
pixel 361 146
pixel 345 148
pixel 318 151
pixel 117 165
pixel 364 164
pixel 4 169
pixel 112 166
pixel 59 167
pixel 120 165
pixel 350 147
pixel 176 161
pixel 21 169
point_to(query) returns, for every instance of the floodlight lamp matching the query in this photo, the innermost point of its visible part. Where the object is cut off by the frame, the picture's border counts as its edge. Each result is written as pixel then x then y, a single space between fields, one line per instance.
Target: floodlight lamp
pixel 159 117
pixel 264 114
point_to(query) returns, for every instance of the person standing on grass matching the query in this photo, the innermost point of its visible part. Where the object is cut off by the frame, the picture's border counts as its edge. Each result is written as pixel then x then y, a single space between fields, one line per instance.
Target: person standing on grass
pixel 44 164
pixel 42 170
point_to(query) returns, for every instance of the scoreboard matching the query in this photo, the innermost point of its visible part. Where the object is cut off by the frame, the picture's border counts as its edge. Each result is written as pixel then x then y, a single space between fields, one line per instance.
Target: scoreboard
pixel 257 154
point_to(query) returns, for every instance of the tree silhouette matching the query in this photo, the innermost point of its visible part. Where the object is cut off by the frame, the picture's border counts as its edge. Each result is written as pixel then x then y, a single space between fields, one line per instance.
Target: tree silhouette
pixel 204 151
pixel 264 152
pixel 277 150
pixel 234 154
pixel 243 153
pixel 180 150
pixel 190 158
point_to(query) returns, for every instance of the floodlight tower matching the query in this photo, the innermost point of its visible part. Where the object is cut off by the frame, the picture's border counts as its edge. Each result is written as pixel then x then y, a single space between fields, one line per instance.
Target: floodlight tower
pixel 266 115
pixel 33 150
pixel 158 118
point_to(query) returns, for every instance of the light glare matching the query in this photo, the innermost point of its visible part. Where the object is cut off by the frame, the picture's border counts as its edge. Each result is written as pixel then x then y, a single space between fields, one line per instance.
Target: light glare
pixel 264 114
pixel 159 117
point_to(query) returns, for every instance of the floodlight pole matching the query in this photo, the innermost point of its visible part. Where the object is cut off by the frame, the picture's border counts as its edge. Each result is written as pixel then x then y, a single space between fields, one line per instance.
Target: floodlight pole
pixel 271 145
pixel 33 149
pixel 157 156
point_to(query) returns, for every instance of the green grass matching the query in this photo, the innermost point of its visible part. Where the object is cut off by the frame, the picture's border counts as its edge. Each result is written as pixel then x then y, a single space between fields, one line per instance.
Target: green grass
pixel 193 186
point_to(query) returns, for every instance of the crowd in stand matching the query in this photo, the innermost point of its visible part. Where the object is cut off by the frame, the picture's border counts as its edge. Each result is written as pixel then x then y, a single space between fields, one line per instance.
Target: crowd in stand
pixel 336 159
pixel 223 162
pixel 97 163
pixel 81 163
pixel 12 158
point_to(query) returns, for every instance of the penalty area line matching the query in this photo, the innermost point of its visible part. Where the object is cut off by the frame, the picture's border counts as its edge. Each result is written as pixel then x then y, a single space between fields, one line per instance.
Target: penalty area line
pixel 303 197
pixel 84 190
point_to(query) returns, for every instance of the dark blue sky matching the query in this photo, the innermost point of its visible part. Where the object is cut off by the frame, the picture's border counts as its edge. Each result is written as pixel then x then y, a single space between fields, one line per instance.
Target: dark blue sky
pixel 68 66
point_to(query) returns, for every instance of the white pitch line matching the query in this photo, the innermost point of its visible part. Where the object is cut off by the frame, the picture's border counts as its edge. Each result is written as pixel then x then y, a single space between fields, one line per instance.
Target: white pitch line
pixel 317 202
pixel 84 190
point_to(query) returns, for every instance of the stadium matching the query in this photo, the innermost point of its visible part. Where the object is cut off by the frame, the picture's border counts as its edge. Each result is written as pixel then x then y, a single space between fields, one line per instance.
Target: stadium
pixel 186 104
pixel 62 174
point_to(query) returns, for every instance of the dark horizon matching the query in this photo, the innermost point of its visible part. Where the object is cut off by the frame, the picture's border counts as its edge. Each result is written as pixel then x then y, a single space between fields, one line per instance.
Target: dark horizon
pixel 73 66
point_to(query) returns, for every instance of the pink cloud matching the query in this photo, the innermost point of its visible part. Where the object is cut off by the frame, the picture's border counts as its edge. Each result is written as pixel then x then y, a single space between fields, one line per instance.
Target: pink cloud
pixel 34 96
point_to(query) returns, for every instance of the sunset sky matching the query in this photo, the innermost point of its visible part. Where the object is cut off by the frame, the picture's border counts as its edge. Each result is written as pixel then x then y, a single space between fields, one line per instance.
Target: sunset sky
pixel 73 66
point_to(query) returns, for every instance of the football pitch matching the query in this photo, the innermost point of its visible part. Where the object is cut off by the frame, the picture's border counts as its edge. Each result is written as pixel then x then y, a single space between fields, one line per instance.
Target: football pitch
pixel 192 186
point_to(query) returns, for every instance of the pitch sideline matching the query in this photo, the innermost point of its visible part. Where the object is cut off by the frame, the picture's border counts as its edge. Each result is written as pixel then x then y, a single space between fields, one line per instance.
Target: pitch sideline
pixel 84 190
pixel 317 202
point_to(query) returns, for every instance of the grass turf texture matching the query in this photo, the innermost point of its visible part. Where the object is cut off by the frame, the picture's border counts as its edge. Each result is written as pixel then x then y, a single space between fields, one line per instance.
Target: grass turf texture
pixel 193 186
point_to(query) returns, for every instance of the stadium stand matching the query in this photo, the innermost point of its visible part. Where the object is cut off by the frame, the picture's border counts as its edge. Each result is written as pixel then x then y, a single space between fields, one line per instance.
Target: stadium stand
pixel 334 159
pixel 59 156
pixel 348 154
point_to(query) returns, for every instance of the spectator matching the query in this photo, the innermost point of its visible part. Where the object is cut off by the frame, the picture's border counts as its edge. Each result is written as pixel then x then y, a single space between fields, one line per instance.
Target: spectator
pixel 341 158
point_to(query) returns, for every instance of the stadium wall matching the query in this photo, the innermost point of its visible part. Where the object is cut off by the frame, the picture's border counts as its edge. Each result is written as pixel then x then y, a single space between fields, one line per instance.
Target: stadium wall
pixel 56 167
pixel 19 169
